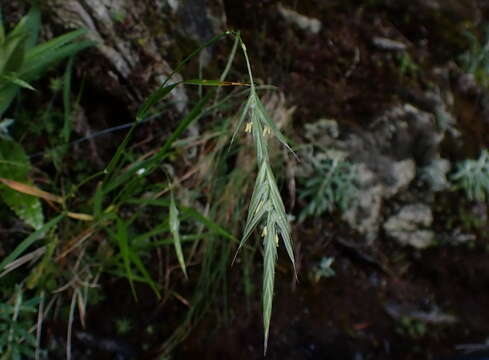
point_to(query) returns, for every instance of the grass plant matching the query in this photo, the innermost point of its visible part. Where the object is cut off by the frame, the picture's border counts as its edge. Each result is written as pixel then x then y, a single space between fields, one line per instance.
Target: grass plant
pixel 472 176
pixel 17 322
pixel 476 59
pixel 266 206
pixel 115 220
pixel 330 187
pixel 23 61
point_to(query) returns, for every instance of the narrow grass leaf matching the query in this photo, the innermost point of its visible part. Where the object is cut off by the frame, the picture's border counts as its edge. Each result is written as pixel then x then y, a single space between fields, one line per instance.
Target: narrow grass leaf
pixel 114 162
pixel 121 237
pixel 98 199
pixel 46 50
pixel 146 277
pixel 15 80
pixel 155 97
pixel 33 26
pixel 175 231
pixel 190 212
pixel 27 242
pixel 203 82
pixel 35 66
pixel 150 164
pixel 160 229
pixel 192 116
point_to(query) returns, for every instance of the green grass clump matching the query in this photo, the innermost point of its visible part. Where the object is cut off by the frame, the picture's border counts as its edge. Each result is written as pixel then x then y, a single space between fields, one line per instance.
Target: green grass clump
pixel 23 61
pixel 114 221
pixel 329 186
pixel 472 176
pixel 17 318
pixel 476 59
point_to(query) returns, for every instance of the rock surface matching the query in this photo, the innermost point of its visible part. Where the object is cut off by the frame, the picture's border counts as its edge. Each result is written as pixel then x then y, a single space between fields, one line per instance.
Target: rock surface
pixel 400 144
pixel 137 53
pixel 409 226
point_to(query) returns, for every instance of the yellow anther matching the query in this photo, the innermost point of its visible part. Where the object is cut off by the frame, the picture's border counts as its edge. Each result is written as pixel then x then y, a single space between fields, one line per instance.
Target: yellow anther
pixel 264 231
pixel 276 240
pixel 266 131
pixel 248 127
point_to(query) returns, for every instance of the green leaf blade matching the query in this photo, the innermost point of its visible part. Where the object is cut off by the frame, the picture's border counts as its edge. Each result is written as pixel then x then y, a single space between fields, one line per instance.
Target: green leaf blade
pixel 175 231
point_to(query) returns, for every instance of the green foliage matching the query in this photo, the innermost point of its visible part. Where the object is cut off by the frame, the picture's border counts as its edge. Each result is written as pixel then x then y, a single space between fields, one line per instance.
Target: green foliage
pixel 127 262
pixel 16 319
pixel 407 66
pixel 15 165
pixel 119 209
pixel 472 176
pixel 411 327
pixel 21 61
pixel 476 59
pixel 175 231
pixel 331 186
pixel 28 241
pixel 123 326
pixel 323 269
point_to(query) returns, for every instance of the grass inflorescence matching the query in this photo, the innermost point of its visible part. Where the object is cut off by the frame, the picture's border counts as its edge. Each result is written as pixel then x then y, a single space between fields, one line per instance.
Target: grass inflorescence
pixel 266 206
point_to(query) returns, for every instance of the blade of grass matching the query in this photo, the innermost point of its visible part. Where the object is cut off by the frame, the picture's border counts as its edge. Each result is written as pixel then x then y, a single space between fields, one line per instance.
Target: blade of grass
pixel 154 98
pixel 121 237
pixel 175 231
pixel 150 164
pixel 204 82
pixel 211 225
pixel 146 277
pixel 27 242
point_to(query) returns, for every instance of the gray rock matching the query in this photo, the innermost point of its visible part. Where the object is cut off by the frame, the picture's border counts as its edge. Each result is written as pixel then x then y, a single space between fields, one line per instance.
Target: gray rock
pixel 408 227
pixel 365 214
pixel 387 156
pixel 403 172
pixel 457 237
pixel 435 174
pixel 133 52
pixel 303 22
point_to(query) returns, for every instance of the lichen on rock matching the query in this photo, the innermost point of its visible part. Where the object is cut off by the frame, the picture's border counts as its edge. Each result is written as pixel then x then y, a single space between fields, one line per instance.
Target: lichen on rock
pixel 410 226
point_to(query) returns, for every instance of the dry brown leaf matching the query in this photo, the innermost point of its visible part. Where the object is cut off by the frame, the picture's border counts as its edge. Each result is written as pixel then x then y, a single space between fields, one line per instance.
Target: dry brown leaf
pixel 80 216
pixel 31 190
